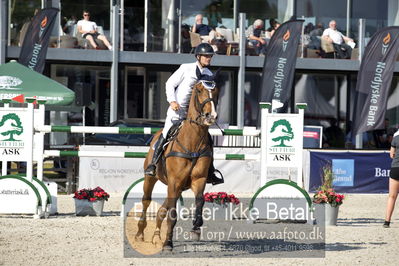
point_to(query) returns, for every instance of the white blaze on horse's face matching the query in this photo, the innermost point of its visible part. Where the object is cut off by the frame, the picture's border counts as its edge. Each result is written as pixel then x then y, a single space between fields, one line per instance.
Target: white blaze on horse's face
pixel 212 118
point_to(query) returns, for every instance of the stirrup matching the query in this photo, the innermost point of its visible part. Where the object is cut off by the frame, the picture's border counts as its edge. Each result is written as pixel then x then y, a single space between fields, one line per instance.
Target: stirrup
pixel 150 170
pixel 214 179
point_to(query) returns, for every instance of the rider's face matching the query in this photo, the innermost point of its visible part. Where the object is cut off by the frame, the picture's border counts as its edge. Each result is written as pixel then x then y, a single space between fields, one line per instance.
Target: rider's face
pixel 205 60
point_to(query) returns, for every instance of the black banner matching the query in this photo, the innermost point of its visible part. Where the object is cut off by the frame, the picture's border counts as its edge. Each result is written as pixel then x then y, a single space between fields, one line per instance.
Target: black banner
pixel 34 48
pixel 279 66
pixel 374 80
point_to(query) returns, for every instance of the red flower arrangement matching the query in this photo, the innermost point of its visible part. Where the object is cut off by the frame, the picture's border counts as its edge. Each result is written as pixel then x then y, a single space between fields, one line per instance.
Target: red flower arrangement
pixel 221 198
pixel 91 194
pixel 328 196
pixel 326 193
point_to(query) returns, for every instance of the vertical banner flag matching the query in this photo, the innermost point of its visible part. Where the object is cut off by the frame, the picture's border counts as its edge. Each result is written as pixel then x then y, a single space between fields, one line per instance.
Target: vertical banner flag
pixel 34 48
pixel 279 66
pixel 374 80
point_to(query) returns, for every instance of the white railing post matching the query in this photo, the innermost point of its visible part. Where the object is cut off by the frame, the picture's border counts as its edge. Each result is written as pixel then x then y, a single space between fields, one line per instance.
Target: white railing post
pixel 301 110
pixel 263 131
pixel 29 139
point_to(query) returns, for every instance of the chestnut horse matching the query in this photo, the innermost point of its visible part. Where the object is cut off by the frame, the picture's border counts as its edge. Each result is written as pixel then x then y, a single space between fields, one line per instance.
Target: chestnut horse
pixel 185 162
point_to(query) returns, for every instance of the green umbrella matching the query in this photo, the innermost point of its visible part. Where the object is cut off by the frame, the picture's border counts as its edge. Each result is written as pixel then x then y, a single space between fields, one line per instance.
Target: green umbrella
pixel 18 82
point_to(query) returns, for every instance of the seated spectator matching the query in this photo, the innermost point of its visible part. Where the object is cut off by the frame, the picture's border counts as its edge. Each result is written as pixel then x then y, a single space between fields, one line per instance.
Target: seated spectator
pixel 207 34
pixel 272 22
pixel 88 29
pixel 315 35
pixel 185 34
pixel 69 25
pixel 332 35
pixel 214 17
pixel 254 37
pixel 275 27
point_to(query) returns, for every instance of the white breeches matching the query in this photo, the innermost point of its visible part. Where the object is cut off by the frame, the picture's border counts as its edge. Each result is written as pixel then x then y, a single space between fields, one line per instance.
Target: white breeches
pixel 172 116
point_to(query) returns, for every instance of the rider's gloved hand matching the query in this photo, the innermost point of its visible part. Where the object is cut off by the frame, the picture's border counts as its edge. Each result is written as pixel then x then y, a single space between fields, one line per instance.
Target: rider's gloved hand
pixel 174 105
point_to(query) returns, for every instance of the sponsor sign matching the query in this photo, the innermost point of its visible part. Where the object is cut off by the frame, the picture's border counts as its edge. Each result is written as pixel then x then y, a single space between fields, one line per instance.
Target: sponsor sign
pixel 374 80
pixel 355 172
pixel 279 65
pixel 312 136
pixel 284 140
pixel 343 171
pixel 15 126
pixel 17 197
pixel 34 48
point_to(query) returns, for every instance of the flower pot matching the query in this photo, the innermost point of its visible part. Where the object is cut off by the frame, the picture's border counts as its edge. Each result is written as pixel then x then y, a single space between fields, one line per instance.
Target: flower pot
pixel 326 213
pixel 85 207
pixel 331 214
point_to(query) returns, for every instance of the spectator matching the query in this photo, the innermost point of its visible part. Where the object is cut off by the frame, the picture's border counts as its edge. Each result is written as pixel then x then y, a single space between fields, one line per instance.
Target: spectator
pixel 276 26
pixel 206 32
pixel 254 37
pixel 69 25
pixel 393 181
pixel 214 16
pixel 308 28
pixel 208 35
pixel 269 30
pixel 88 29
pixel 332 35
pixel 315 35
pixel 383 137
pixel 334 135
pixel 185 34
pixel 272 22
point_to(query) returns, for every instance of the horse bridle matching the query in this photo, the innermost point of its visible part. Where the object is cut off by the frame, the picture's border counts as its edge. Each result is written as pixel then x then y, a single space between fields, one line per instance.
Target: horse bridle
pixel 200 106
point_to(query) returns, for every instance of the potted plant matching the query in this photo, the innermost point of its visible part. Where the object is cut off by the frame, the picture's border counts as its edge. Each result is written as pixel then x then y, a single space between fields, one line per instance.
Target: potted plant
pixel 90 201
pixel 327 199
pixel 221 198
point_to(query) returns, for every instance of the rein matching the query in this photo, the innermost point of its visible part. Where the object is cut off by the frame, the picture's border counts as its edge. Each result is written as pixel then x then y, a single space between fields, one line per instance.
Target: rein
pixel 206 151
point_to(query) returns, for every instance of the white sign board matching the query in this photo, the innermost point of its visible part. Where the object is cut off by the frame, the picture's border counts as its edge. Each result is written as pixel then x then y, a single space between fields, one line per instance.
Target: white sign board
pixel 17 197
pixel 284 145
pixel 16 130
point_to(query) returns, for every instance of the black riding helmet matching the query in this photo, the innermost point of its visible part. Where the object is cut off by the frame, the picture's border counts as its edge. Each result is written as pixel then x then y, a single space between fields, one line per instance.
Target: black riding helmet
pixel 204 49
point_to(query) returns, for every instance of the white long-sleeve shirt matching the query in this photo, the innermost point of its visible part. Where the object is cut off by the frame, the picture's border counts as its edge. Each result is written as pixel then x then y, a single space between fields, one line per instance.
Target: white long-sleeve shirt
pixel 179 85
pixel 178 89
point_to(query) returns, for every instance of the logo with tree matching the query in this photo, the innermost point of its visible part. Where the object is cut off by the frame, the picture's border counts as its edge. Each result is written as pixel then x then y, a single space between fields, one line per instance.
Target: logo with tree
pixel 283 131
pixel 11 125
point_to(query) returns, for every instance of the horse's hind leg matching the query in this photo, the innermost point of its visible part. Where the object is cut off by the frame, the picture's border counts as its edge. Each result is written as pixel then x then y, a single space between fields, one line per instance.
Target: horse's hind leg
pixel 149 183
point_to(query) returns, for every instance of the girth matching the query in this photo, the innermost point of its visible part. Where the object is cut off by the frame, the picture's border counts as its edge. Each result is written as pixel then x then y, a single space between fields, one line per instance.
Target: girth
pixel 193 156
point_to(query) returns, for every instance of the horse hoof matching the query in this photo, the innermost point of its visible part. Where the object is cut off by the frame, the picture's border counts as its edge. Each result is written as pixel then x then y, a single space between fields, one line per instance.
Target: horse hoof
pixel 139 238
pixel 195 235
pixel 167 247
pixel 156 240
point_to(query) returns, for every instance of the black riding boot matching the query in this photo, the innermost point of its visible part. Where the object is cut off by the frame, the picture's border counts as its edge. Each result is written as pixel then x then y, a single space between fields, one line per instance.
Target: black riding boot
pixel 151 168
pixel 212 177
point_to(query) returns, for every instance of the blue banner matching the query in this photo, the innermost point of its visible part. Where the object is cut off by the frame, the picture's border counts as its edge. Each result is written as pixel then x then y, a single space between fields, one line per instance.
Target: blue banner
pixel 354 172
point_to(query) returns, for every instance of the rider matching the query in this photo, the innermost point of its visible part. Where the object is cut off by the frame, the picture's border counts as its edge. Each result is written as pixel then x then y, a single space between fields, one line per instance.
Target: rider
pixel 178 93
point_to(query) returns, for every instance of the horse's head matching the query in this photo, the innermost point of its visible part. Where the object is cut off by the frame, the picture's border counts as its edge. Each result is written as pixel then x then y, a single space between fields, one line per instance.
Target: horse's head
pixel 204 100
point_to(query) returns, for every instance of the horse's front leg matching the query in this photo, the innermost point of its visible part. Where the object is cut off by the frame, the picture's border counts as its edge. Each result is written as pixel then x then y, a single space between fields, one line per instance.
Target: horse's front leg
pixel 198 187
pixel 161 214
pixel 173 195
